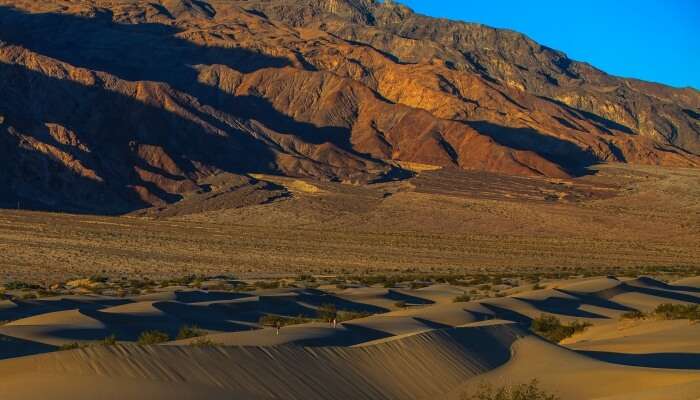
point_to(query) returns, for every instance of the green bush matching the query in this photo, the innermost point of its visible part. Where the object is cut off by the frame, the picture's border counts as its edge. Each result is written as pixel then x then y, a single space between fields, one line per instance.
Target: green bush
pixel 204 342
pixel 462 298
pixel 278 320
pixel 188 332
pixel 524 391
pixel 110 340
pixel 18 285
pixel 633 315
pixel 327 312
pixel 267 284
pixel 70 346
pixel 552 329
pixel 678 311
pixel 152 337
pixel 343 316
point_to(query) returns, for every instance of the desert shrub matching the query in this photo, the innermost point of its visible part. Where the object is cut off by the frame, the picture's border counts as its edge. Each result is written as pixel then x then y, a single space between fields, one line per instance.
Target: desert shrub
pixel 267 284
pixel 141 284
pixel 46 293
pixel 19 285
pixel 401 304
pixel 189 331
pixel 635 314
pixel 29 296
pixel 70 346
pixel 306 278
pixel 327 312
pixel 343 316
pixel 204 342
pixel 678 311
pixel 552 329
pixel 524 391
pixel 462 298
pixel 418 285
pixel 152 337
pixel 110 340
pixel 99 278
pixel 278 320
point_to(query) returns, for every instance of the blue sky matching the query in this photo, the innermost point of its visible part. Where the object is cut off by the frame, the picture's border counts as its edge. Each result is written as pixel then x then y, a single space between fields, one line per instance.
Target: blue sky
pixel 654 40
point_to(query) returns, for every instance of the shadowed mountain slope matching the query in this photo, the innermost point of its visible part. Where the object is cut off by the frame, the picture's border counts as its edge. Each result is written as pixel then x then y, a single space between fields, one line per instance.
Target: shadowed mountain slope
pixel 112 106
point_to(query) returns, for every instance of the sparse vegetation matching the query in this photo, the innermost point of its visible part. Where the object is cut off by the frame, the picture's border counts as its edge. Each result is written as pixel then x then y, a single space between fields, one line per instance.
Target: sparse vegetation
pixel 552 329
pixel 327 312
pixel 343 316
pixel 110 340
pixel 279 320
pixel 524 391
pixel 267 284
pixel 462 298
pixel 189 331
pixel 678 311
pixel 71 346
pixel 19 285
pixel 635 315
pixel 152 337
pixel 204 342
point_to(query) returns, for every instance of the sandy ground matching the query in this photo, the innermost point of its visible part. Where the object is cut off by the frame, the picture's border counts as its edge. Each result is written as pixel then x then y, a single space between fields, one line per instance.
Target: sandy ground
pixel 432 348
pixel 634 220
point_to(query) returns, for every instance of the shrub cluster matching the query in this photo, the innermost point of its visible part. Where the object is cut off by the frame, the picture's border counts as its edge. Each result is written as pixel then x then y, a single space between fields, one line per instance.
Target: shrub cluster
pixel 152 337
pixel 524 391
pixel 552 329
pixel 678 311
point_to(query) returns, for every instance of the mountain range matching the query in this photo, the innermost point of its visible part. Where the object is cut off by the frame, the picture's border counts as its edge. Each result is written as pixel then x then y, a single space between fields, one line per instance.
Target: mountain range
pixel 110 106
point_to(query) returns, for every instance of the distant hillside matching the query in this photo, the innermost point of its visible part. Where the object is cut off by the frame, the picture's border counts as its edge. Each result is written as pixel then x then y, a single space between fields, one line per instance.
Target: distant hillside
pixel 111 106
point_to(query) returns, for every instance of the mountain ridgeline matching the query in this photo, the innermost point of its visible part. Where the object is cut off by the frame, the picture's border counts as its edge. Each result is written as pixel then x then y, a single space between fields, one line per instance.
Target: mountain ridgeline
pixel 110 106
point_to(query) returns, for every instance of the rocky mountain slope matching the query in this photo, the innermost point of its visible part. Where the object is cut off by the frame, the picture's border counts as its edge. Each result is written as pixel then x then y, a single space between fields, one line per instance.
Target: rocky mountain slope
pixel 113 105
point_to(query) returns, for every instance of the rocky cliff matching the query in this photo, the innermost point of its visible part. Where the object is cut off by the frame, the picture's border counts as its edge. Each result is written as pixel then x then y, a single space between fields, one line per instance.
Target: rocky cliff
pixel 110 106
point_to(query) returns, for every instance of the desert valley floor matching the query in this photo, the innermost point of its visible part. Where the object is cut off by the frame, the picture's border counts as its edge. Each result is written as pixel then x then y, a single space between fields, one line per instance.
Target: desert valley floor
pixel 439 284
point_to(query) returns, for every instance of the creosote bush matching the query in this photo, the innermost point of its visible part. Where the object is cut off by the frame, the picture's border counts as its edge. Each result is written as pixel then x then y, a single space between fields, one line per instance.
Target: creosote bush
pixel 70 346
pixel 189 331
pixel 635 314
pixel 152 337
pixel 524 391
pixel 678 311
pixel 279 320
pixel 110 340
pixel 552 329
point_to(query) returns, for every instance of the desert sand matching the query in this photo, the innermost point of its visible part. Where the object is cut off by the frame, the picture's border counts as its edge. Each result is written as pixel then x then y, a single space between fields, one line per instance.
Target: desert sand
pixel 408 344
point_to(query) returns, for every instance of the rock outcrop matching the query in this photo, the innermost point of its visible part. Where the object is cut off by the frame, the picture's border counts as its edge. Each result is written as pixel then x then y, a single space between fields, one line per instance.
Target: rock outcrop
pixel 113 105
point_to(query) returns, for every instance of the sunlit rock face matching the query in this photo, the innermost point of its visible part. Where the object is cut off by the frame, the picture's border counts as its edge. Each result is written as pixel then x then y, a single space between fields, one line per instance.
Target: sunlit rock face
pixel 112 106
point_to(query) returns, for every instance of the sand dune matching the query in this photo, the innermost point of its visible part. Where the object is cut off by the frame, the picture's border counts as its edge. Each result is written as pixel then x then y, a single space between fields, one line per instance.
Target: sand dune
pixel 428 348
pixel 418 366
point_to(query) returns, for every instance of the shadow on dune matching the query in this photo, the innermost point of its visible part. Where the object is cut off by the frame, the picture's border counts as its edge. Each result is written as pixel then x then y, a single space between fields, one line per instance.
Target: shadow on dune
pixel 11 347
pixel 651 360
pixel 29 308
pixel 508 315
pixel 592 299
pixel 664 293
pixel 128 326
pixel 407 298
pixel 568 307
pixel 666 286
pixel 198 296
pixel 318 298
pixel 352 335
